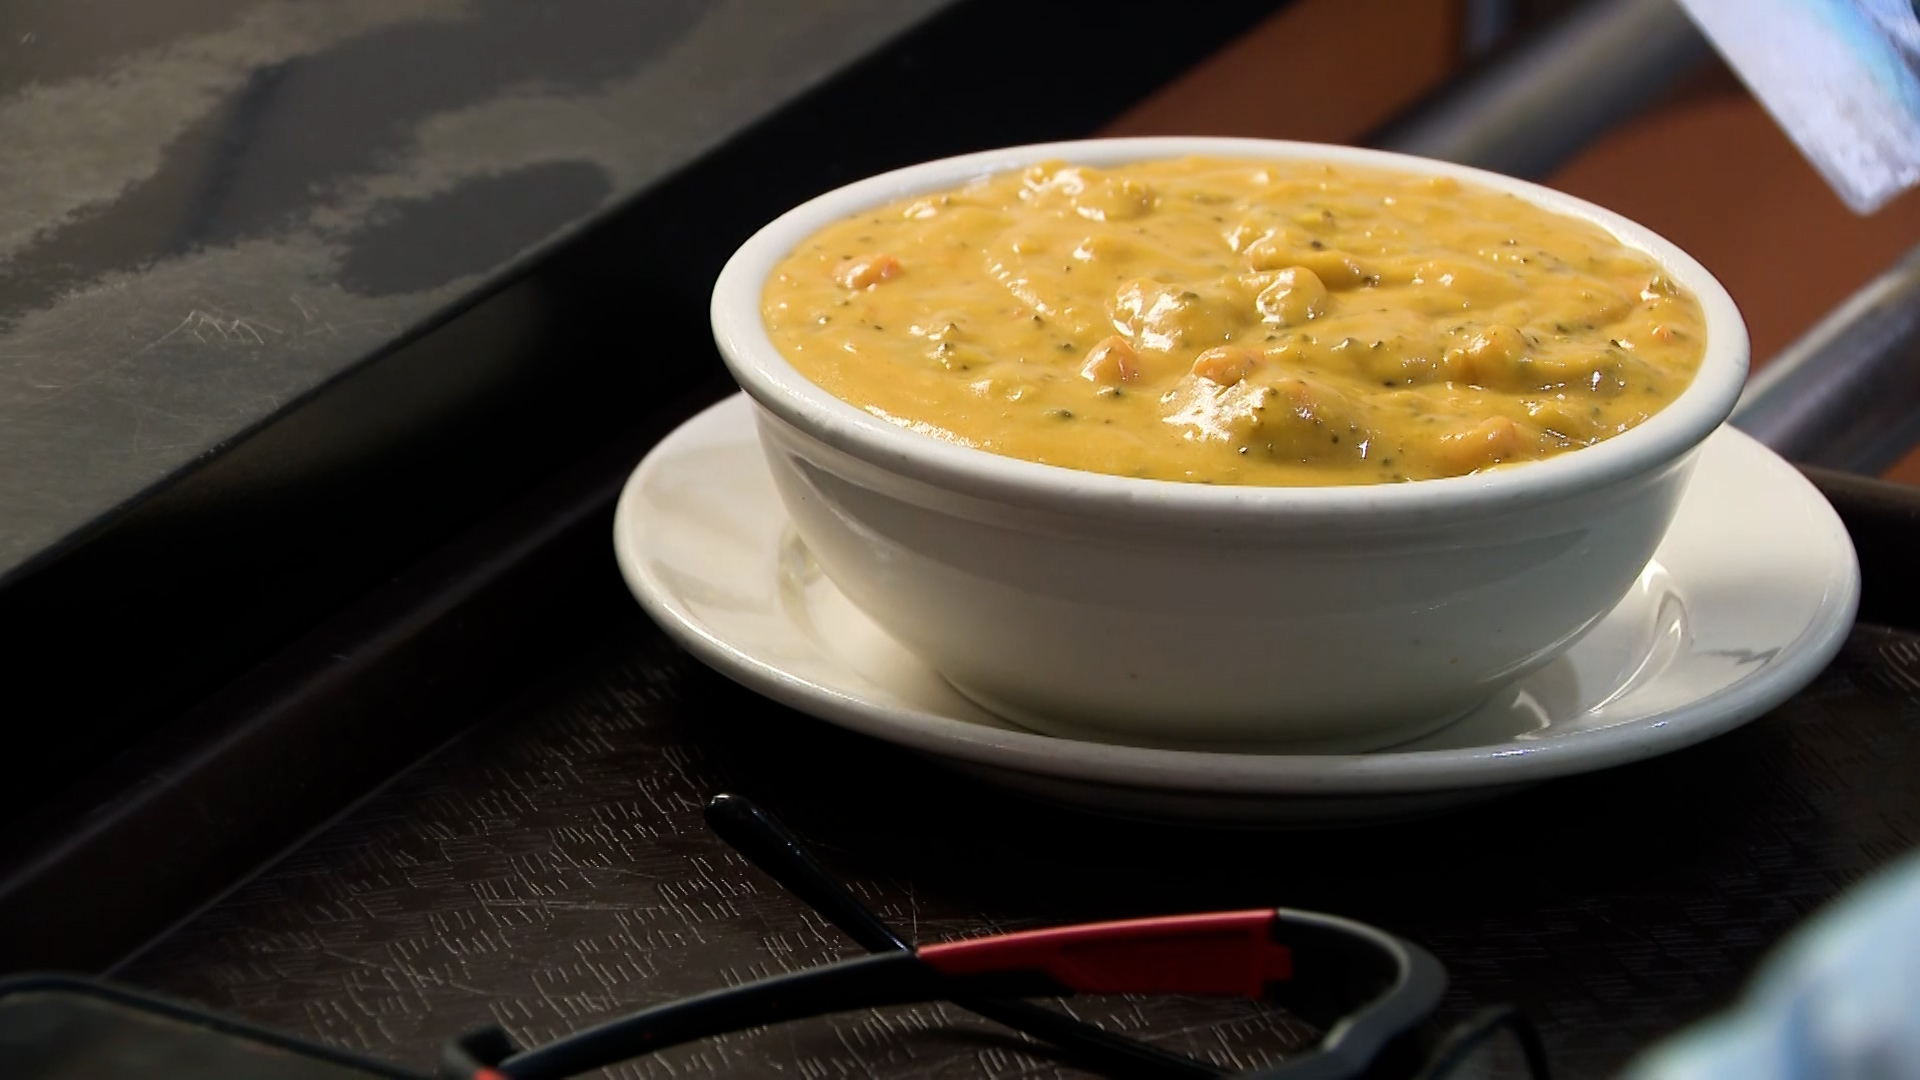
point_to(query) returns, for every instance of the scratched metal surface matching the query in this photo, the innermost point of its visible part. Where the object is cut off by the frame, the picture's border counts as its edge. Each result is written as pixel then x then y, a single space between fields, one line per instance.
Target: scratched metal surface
pixel 209 207
pixel 550 868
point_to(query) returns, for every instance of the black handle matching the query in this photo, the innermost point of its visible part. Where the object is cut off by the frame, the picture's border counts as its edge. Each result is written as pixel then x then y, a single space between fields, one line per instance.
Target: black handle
pixel 768 845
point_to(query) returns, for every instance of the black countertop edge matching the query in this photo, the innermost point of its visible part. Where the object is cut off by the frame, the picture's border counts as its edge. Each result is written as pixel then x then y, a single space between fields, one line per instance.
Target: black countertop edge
pixel 215 570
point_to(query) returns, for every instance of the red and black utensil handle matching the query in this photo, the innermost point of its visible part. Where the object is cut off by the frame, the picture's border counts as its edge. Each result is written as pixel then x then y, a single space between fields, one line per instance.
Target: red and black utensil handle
pixel 753 832
pixel 1365 987
pixel 1229 954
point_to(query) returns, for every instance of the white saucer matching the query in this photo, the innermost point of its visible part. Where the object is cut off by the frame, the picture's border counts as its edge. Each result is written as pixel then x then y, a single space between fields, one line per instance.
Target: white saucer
pixel 1748 598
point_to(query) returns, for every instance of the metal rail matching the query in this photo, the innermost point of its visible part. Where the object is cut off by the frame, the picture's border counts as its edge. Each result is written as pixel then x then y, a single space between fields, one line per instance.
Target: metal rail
pixel 1847 394
pixel 1533 106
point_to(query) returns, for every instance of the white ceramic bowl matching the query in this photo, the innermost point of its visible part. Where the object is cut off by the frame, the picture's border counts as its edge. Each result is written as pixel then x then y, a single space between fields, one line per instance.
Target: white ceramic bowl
pixel 1163 613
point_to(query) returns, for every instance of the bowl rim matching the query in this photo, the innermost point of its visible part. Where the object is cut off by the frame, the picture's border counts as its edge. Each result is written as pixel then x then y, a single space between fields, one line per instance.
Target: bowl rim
pixel 765 374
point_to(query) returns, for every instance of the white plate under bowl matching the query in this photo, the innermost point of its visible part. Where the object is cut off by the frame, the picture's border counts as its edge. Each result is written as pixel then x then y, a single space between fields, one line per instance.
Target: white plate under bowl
pixel 1747 599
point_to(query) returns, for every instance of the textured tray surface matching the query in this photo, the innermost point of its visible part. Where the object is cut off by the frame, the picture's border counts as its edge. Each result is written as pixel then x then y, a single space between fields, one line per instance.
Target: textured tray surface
pixel 551 868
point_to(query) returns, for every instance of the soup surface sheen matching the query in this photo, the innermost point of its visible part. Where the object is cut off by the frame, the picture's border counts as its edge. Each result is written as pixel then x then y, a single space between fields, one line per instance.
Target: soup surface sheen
pixel 1233 321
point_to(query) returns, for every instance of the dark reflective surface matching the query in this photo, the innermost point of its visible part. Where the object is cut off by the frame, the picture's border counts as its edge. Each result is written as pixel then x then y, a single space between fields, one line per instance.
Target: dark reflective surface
pixel 209 208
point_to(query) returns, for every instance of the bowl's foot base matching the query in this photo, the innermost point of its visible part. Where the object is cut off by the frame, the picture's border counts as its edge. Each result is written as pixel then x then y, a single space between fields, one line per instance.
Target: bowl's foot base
pixel 1380 739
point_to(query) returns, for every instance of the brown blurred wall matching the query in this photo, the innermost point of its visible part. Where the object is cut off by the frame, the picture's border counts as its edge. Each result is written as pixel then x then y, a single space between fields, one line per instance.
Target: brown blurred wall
pixel 1707 168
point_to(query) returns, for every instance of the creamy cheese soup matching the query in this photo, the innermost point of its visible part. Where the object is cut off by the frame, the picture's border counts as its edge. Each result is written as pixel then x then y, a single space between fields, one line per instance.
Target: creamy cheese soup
pixel 1233 321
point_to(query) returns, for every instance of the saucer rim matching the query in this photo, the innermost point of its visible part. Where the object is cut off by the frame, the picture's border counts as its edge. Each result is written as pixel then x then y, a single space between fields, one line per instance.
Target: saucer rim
pixel 1382 773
